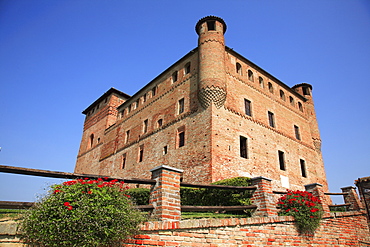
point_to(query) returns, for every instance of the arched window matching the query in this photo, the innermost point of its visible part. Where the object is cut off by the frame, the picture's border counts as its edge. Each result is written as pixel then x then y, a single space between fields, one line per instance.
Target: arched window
pixel 282 95
pixel 250 75
pixel 187 68
pixel 291 100
pixel 260 79
pixel 271 88
pixel 300 106
pixel 174 77
pixel 238 69
pixel 91 140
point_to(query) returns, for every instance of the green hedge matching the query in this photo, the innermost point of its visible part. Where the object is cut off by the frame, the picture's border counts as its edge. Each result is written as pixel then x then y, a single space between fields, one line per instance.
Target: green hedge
pixel 140 196
pixel 218 197
pixel 203 197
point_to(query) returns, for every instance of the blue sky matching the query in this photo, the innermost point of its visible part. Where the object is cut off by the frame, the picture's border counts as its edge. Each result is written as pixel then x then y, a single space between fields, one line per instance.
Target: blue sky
pixel 57 57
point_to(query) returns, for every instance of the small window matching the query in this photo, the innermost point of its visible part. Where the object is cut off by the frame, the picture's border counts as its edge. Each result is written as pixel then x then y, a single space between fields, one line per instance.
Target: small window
pixel 123 161
pixel 247 107
pixel 91 140
pixel 281 160
pixel 154 91
pixel 181 137
pixel 282 95
pixel 187 68
pixel 129 109
pixel 174 76
pixel 250 75
pixel 127 136
pixel 159 123
pixel 211 25
pixel 144 98
pixel 271 119
pixel 296 131
pixel 291 100
pixel 238 69
pixel 141 153
pixel 261 82
pixel 181 106
pixel 165 150
pixel 271 88
pixel 137 103
pixel 303 168
pixel 145 126
pixel 243 147
pixel 306 91
pixel 300 106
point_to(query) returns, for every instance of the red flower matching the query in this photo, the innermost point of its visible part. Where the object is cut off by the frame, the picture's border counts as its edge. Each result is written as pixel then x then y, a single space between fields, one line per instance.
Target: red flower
pixel 66 204
pixel 56 191
pixel 70 208
pixel 89 192
pixel 287 210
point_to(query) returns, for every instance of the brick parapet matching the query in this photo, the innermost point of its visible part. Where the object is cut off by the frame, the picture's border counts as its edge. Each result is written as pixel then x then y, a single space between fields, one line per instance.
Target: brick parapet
pixel 336 229
pixel 316 190
pixel 165 194
pixel 263 197
pixel 352 198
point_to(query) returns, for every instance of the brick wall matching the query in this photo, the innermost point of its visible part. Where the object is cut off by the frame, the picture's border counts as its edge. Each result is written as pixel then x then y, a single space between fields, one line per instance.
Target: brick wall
pixel 338 229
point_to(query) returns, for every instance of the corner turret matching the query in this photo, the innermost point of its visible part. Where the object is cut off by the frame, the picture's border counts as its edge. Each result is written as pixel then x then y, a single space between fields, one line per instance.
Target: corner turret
pixel 212 71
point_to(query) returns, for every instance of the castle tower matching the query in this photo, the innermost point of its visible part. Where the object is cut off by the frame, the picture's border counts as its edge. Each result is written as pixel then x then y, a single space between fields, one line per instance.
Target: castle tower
pixel 211 45
pixel 305 89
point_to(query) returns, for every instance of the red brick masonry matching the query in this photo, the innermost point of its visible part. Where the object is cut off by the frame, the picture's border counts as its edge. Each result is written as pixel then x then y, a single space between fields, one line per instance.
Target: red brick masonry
pixel 338 229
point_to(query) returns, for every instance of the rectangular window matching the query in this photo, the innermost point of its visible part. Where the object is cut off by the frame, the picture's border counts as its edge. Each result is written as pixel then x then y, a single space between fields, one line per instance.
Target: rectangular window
pixel 296 131
pixel 281 160
pixel 123 161
pixel 181 105
pixel 154 91
pixel 145 126
pixel 303 168
pixel 127 136
pixel 243 147
pixel 165 149
pixel 181 137
pixel 141 153
pixel 247 107
pixel 271 119
pixel 211 25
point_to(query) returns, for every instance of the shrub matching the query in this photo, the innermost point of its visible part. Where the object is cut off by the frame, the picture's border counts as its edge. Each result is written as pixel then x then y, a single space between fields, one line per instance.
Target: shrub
pixel 218 197
pixel 139 195
pixel 82 213
pixel 304 207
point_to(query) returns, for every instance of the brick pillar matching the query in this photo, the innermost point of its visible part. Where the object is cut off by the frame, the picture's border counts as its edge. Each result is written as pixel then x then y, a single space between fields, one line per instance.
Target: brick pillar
pixel 351 198
pixel 263 197
pixel 316 190
pixel 165 195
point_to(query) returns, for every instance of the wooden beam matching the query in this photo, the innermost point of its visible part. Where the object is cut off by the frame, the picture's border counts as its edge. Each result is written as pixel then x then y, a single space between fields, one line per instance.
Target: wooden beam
pixel 67 175
pixel 216 208
pixel 335 194
pixel 212 186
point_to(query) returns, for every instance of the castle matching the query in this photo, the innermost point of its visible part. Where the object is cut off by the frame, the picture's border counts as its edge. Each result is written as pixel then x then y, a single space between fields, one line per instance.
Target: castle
pixel 214 114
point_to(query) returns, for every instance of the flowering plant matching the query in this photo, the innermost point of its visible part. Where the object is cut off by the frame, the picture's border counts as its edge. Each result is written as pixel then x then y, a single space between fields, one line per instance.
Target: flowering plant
pixel 82 212
pixel 304 207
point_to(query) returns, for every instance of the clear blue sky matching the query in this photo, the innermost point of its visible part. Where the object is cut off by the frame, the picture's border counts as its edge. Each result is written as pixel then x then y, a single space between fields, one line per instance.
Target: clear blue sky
pixel 57 57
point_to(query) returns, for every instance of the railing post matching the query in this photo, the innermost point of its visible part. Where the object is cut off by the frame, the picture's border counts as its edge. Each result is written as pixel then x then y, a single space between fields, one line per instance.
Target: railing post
pixel 351 198
pixel 316 190
pixel 165 194
pixel 263 197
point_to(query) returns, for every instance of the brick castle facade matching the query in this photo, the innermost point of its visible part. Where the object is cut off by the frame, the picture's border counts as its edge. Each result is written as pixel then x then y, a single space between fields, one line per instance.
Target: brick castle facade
pixel 213 114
